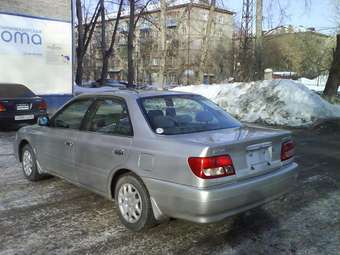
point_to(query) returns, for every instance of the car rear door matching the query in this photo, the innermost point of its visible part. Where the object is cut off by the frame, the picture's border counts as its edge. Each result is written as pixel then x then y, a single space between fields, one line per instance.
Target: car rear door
pixel 104 144
pixel 56 148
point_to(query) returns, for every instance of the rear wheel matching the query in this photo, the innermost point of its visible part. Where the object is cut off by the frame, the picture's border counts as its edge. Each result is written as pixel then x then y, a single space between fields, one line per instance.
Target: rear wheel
pixel 29 164
pixel 133 202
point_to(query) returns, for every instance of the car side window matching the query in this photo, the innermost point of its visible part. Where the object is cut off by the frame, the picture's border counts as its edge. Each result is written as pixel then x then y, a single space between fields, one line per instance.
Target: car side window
pixel 111 117
pixel 72 116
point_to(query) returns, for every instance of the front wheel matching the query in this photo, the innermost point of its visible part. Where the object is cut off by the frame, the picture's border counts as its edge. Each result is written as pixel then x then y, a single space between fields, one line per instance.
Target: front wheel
pixel 29 164
pixel 134 205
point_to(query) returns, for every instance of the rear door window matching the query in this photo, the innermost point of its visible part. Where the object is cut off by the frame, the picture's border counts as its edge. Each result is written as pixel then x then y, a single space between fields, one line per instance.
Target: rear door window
pixel 111 117
pixel 72 115
pixel 14 91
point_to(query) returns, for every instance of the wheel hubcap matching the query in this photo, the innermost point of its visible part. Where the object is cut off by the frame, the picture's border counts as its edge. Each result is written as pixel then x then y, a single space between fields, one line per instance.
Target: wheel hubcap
pixel 130 203
pixel 27 162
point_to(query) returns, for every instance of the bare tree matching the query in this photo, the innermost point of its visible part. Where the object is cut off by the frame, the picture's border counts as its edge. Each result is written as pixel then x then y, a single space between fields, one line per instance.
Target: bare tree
pixel 108 52
pixel 205 44
pixel 103 32
pixel 162 42
pixel 259 40
pixel 259 30
pixel 131 69
pixel 85 29
pixel 333 81
pixel 133 20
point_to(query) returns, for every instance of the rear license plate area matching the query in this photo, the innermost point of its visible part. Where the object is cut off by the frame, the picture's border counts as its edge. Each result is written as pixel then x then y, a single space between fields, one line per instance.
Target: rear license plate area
pixel 259 156
pixel 22 107
pixel 24 117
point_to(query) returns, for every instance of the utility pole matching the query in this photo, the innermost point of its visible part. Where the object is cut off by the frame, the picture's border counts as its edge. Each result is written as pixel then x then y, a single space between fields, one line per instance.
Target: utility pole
pixel 163 43
pixel 103 35
pixel 246 54
pixel 259 40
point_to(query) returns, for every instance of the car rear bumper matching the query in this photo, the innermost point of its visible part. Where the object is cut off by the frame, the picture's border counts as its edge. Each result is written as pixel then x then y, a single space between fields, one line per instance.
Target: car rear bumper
pixel 9 118
pixel 214 204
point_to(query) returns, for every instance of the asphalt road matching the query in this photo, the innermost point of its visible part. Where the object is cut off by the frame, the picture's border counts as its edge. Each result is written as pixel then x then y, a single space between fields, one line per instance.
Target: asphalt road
pixel 55 217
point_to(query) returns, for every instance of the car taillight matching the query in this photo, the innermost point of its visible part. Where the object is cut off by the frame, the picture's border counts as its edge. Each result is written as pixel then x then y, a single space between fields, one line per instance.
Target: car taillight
pixel 2 107
pixel 287 150
pixel 43 105
pixel 212 167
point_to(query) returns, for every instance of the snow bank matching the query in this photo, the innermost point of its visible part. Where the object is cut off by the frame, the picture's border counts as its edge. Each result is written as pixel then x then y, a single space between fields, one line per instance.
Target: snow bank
pixel 277 102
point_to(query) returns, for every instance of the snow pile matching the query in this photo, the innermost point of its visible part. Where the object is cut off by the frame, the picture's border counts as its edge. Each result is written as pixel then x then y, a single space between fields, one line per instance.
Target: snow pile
pixel 277 102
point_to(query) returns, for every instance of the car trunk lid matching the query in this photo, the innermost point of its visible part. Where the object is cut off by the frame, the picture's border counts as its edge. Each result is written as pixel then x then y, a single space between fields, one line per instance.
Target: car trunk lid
pixel 254 150
pixel 21 105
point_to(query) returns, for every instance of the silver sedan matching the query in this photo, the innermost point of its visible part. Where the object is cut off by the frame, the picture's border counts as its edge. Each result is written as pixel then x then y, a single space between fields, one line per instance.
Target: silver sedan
pixel 160 155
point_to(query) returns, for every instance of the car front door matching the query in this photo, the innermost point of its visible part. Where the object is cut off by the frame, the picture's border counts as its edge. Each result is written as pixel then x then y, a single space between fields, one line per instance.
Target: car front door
pixel 105 143
pixel 56 148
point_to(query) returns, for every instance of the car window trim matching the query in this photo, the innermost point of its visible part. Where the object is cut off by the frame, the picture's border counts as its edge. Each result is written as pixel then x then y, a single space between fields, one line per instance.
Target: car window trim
pixel 94 108
pixel 65 107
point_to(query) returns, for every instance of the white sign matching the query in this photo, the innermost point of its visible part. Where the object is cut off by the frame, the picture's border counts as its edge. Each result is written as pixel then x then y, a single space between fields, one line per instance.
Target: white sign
pixel 36 53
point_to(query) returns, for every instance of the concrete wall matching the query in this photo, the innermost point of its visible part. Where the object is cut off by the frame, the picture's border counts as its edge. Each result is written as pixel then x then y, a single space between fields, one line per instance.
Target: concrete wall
pixel 53 9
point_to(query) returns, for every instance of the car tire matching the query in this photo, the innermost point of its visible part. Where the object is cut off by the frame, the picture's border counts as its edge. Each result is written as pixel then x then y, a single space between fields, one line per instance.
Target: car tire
pixel 133 202
pixel 29 164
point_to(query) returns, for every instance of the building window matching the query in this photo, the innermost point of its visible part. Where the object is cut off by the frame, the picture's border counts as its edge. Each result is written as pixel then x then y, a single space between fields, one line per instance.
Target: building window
pixel 145 26
pixel 123 27
pixel 205 16
pixel 171 23
pixel 155 61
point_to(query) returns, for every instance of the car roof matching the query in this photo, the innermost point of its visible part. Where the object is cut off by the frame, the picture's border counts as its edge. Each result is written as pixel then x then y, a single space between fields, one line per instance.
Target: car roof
pixel 134 93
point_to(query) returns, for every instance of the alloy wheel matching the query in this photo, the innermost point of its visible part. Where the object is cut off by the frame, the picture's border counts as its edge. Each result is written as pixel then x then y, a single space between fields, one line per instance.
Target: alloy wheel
pixel 27 161
pixel 130 203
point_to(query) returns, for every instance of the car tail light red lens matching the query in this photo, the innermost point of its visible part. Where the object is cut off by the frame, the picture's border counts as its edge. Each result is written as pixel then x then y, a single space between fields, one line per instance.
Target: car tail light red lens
pixel 287 150
pixel 2 107
pixel 43 106
pixel 212 167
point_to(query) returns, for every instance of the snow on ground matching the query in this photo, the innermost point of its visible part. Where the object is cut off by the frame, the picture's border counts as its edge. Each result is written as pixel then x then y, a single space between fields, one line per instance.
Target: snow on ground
pixel 317 84
pixel 277 102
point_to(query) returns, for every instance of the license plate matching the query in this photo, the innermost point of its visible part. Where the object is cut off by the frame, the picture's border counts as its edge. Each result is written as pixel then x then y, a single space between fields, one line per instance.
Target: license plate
pixel 24 117
pixel 23 107
pixel 259 156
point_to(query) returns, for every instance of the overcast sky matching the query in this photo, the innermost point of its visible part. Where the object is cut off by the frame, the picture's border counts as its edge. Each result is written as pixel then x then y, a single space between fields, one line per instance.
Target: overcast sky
pixel 320 14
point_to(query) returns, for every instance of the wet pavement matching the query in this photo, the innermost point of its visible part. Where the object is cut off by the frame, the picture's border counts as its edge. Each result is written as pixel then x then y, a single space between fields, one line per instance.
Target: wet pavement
pixel 55 217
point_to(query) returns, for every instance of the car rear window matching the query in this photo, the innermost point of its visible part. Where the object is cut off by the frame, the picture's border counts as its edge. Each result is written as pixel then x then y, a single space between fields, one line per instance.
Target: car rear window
pixel 14 90
pixel 180 114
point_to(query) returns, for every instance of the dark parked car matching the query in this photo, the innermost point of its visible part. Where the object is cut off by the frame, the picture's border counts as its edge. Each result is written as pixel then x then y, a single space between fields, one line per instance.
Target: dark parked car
pixel 19 105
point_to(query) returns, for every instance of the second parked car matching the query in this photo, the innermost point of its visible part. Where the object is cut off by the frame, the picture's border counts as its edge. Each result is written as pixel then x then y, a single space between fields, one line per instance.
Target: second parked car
pixel 19 105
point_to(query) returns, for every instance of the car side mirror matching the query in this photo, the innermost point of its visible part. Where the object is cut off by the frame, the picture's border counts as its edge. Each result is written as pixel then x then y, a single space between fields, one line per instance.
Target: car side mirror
pixel 43 121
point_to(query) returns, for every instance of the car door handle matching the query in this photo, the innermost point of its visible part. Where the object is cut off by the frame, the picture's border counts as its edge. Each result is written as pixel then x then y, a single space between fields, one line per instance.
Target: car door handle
pixel 69 143
pixel 119 152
